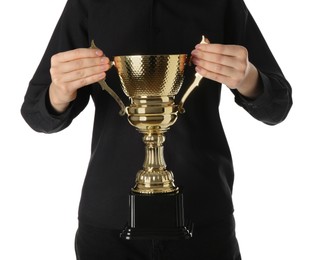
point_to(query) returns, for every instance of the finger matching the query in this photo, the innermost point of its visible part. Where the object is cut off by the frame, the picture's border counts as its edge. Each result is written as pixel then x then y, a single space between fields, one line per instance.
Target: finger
pixel 79 83
pixel 216 58
pixel 215 67
pixel 76 54
pixel 224 49
pixel 228 81
pixel 83 63
pixel 84 73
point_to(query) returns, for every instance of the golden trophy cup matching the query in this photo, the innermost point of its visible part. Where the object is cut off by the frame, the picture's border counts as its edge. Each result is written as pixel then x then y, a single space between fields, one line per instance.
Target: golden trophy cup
pixel 151 82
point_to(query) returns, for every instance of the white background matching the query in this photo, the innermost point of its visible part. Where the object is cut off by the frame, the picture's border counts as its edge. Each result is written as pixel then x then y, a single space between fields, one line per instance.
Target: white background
pixel 275 189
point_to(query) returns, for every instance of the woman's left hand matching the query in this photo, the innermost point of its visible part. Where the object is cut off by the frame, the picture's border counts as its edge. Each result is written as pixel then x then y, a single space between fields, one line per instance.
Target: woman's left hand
pixel 229 65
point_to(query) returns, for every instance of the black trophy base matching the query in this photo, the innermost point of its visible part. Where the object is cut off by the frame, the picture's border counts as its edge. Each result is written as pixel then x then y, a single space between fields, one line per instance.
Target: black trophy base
pixel 159 216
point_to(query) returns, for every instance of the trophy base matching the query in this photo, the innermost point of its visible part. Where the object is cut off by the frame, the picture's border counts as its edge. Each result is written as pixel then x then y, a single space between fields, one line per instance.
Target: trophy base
pixel 157 216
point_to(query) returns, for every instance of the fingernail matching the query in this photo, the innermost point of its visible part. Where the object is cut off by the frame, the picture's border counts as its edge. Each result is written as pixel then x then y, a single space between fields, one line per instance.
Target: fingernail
pixel 194 52
pixel 103 60
pixel 99 52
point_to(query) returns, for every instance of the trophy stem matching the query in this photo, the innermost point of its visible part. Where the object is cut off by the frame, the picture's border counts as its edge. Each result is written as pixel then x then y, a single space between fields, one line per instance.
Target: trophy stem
pixel 154 178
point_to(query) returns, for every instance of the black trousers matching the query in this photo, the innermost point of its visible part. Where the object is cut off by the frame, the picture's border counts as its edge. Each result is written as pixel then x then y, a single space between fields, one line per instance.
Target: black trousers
pixel 216 242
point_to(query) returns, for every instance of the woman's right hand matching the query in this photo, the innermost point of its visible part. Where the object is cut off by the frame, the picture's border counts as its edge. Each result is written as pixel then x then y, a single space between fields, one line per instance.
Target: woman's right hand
pixel 72 70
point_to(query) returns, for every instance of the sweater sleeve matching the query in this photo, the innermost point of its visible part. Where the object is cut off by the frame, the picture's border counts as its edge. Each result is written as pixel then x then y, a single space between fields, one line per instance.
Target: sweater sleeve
pixel 70 33
pixel 273 105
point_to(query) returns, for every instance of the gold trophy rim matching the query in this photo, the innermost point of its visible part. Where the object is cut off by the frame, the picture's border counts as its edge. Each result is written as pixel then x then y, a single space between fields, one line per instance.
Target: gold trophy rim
pixel 150 55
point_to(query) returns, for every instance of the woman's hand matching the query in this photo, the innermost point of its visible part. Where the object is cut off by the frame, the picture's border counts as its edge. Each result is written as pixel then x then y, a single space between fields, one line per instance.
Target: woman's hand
pixel 72 70
pixel 229 65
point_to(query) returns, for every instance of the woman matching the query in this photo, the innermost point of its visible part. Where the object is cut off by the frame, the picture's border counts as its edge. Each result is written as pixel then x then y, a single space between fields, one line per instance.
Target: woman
pixel 236 56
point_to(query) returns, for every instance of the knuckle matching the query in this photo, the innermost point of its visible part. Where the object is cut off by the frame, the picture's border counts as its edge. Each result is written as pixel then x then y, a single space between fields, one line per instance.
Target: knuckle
pixel 79 63
pixel 201 63
pixel 243 52
pixel 80 73
pixel 218 68
pixel 219 58
pixel 83 82
pixel 242 66
pixel 54 59
pixel 54 79
pixel 202 55
pixel 243 71
pixel 61 84
pixel 53 71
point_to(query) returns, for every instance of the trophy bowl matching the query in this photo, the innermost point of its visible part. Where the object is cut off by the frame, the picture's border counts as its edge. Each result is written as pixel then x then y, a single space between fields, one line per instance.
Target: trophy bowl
pixel 151 82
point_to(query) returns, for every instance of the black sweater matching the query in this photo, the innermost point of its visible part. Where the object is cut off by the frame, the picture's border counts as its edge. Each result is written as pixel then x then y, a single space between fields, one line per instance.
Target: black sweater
pixel 196 148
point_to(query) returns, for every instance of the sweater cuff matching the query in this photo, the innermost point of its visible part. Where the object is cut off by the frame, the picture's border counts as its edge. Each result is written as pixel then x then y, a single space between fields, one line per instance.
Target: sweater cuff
pixel 262 99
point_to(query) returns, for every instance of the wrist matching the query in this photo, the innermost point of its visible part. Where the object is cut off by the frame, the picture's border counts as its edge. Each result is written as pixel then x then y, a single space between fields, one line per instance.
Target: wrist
pixel 251 86
pixel 57 105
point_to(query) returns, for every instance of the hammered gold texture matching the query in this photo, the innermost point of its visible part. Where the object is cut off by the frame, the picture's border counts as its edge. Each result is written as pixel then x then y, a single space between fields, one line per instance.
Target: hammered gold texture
pixel 151 75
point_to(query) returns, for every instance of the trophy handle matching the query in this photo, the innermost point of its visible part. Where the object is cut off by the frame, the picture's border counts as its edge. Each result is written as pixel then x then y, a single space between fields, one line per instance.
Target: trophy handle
pixel 194 85
pixel 105 87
